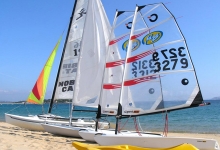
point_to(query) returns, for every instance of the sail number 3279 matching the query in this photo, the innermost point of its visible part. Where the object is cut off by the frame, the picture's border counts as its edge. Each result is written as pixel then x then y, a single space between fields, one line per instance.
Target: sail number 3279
pixel 171 59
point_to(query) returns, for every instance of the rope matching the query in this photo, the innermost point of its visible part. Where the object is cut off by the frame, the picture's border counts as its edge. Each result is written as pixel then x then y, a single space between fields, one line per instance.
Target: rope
pixel 27 108
pixel 13 109
pixel 139 124
pixel 124 124
pixel 165 132
pixel 55 105
pixel 136 126
pixel 42 109
pixel 119 125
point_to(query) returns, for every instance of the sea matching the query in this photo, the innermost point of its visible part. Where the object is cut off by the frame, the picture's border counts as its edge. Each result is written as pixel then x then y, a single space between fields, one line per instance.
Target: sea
pixel 203 119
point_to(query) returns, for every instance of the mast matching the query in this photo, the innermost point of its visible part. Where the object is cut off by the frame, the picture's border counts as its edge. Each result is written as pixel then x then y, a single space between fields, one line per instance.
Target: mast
pixel 55 86
pixel 92 56
pixel 98 116
pixel 119 113
pixel 72 106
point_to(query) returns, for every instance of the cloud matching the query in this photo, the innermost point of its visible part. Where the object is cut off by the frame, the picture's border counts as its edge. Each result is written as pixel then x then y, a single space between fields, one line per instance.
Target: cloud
pixel 8 76
pixel 4 91
pixel 8 91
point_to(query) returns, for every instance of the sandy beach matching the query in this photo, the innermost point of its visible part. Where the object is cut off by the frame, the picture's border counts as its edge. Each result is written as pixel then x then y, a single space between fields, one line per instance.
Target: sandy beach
pixel 16 138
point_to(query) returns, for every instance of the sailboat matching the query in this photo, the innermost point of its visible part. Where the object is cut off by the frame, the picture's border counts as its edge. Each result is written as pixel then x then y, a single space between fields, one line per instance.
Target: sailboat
pixel 64 86
pixel 159 76
pixel 95 37
pixel 36 97
pixel 114 68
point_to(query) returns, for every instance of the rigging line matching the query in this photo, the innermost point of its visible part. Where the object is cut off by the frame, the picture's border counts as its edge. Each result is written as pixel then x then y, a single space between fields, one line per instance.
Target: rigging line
pixel 13 109
pixel 55 106
pixel 42 108
pixel 136 126
pixel 70 107
pixel 165 132
pixel 125 123
pixel 186 48
pixel 26 108
pixel 119 125
pixel 143 19
pixel 127 18
pixel 61 59
pixel 139 124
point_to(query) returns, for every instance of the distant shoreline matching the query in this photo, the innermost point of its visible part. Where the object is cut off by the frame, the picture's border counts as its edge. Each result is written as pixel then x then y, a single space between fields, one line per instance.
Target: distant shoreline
pixel 35 104
pixel 64 102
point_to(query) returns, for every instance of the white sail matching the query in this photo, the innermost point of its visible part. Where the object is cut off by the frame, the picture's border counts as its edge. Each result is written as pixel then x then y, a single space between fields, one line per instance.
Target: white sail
pixel 92 56
pixel 67 73
pixel 159 73
pixel 158 76
pixel 115 62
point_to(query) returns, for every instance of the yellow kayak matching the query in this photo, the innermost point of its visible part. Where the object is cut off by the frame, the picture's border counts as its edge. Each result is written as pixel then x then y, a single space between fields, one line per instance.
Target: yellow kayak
pixel 83 146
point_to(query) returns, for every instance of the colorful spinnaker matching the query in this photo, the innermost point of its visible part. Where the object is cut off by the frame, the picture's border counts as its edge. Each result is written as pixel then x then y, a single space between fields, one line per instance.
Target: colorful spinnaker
pixel 38 92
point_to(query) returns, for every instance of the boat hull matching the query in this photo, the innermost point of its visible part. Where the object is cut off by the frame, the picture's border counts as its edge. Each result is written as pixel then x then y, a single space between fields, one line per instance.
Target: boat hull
pixel 89 135
pixel 63 130
pixel 35 123
pixel 30 123
pixel 67 130
pixel 155 142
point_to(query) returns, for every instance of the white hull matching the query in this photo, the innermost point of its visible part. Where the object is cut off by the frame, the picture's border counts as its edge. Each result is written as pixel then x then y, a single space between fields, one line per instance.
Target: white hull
pixel 155 142
pixel 30 123
pixel 34 122
pixel 63 130
pixel 66 130
pixel 89 135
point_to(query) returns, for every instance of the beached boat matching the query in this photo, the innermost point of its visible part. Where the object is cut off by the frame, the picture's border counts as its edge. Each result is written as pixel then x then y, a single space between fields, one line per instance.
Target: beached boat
pixel 113 74
pixel 64 86
pixel 37 97
pixel 93 49
pixel 159 76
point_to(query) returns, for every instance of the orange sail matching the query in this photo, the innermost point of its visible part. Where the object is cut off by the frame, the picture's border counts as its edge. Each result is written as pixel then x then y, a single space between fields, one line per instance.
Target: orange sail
pixel 38 92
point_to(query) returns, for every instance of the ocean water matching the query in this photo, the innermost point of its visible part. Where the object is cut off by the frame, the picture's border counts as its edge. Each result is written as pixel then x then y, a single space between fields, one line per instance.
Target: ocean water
pixel 204 119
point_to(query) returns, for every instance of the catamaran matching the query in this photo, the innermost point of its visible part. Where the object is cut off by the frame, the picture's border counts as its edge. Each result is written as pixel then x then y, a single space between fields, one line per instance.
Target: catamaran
pixel 65 81
pixel 95 37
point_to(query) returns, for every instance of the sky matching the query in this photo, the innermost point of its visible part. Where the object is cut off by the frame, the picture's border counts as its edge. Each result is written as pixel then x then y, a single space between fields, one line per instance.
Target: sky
pixel 29 31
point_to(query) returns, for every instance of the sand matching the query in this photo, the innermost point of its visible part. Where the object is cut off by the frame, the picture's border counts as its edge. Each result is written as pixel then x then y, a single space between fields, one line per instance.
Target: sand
pixel 16 138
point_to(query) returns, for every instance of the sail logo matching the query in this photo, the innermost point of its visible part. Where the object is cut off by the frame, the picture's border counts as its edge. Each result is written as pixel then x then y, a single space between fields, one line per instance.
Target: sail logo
pixel 82 11
pixel 153 17
pixel 66 85
pixel 152 37
pixel 135 44
pixel 132 111
pixel 127 25
pixel 109 112
pixel 69 68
